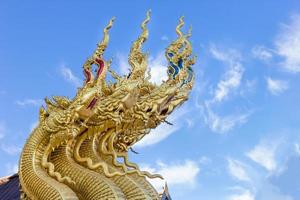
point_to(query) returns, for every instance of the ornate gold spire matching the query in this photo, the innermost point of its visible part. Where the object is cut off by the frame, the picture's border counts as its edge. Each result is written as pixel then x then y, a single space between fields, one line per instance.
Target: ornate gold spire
pixel 179 56
pixel 137 59
pixel 97 59
pixel 103 44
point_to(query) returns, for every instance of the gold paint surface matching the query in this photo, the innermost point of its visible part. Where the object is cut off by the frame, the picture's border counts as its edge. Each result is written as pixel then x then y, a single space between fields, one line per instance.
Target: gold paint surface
pixel 75 151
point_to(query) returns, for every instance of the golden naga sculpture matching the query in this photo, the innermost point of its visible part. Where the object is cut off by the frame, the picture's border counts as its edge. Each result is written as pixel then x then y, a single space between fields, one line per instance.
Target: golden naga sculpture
pixel 75 151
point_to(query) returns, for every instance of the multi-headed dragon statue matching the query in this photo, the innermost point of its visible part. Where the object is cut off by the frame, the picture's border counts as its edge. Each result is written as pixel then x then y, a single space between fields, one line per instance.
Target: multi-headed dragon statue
pixel 74 152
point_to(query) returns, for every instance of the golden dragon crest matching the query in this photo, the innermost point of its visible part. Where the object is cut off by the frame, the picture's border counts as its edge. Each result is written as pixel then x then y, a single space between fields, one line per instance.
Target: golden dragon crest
pixel 80 148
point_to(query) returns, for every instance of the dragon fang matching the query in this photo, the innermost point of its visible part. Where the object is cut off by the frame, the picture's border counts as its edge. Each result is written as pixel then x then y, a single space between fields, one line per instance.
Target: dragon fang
pixel 74 153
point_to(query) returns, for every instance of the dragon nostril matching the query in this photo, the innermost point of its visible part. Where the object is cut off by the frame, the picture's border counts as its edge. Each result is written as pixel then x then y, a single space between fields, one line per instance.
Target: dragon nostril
pixel 164 111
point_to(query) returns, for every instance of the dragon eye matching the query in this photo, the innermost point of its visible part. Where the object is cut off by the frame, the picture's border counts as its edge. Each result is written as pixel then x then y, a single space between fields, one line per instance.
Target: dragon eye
pixel 171 71
pixel 170 54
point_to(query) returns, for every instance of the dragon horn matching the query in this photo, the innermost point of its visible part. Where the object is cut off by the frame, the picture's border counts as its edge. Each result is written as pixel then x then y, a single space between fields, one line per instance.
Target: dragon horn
pixel 103 44
pixel 137 59
pixel 179 26
pixel 189 34
pixel 96 58
pixel 178 54
pixel 187 51
pixel 174 47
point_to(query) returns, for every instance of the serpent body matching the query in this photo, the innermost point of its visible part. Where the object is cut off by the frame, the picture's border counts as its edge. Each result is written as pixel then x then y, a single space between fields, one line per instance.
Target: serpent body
pixel 79 150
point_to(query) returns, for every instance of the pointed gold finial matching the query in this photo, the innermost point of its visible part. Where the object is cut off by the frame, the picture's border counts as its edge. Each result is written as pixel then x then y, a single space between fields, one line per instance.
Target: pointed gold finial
pixel 96 58
pixel 179 42
pixel 179 26
pixel 103 44
pixel 145 32
pixel 137 59
pixel 179 57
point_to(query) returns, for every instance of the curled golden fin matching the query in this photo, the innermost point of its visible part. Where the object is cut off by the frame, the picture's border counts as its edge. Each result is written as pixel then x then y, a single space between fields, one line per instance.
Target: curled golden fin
pixel 179 56
pixel 89 162
pixel 179 26
pixel 103 44
pixel 135 168
pixel 49 166
pixel 189 34
pixel 137 59
pixel 145 32
pixel 97 59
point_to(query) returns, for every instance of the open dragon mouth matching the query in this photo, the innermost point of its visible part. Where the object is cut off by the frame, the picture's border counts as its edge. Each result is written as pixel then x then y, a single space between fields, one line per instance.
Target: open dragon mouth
pixel 81 145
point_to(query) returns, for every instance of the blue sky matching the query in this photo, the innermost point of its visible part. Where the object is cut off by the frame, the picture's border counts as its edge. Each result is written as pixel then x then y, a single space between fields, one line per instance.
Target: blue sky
pixel 237 138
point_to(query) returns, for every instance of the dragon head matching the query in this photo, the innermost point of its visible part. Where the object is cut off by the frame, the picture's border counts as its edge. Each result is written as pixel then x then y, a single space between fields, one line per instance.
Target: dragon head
pixel 121 113
pixel 139 104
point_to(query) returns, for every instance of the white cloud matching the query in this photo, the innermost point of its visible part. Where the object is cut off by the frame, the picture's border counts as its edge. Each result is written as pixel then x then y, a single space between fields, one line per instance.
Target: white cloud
pixel 229 84
pixel 2 129
pixel 30 102
pixel 223 124
pixel 276 86
pixel 11 168
pixel 249 88
pixel 156 135
pixel 180 174
pixel 123 64
pixel 288 44
pixel 237 170
pixel 286 47
pixel 158 66
pixel 69 76
pixel 189 122
pixel 205 160
pixel 11 149
pixel 231 81
pixel 270 153
pixel 243 195
pixel 232 77
pixel 164 130
pixel 265 155
pixel 229 56
pixel 164 38
pixel 270 191
pixel 262 53
pixel 297 148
